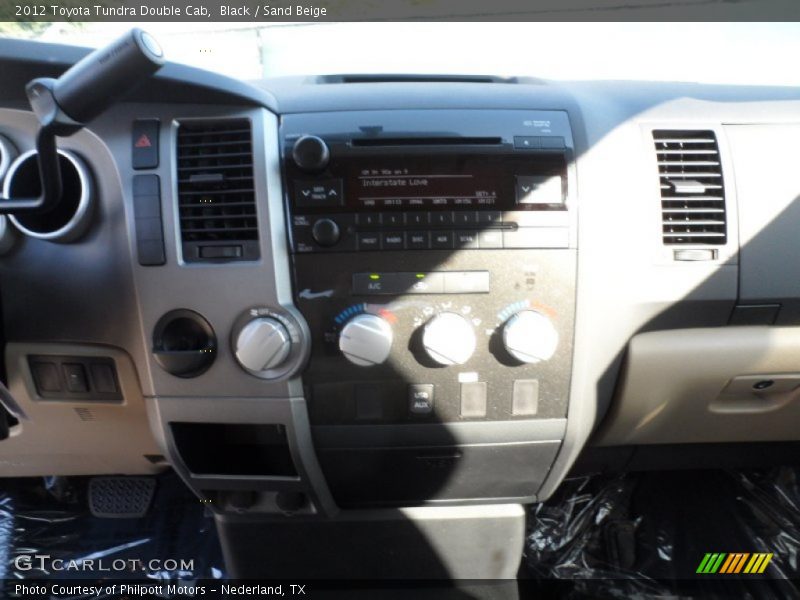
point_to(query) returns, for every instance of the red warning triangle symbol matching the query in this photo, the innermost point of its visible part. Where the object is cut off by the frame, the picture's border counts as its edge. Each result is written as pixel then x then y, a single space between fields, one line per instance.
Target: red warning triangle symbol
pixel 143 142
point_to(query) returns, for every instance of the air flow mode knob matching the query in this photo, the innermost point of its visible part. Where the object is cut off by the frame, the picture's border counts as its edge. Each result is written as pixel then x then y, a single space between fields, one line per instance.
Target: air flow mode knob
pixel 366 340
pixel 449 339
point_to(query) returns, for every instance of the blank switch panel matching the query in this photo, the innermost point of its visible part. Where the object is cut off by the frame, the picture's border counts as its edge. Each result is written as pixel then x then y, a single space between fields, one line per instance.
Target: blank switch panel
pixel 75 378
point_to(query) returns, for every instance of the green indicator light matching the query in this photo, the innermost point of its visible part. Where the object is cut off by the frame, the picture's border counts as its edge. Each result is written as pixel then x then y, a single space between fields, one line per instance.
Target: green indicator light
pixel 420 275
pixel 374 276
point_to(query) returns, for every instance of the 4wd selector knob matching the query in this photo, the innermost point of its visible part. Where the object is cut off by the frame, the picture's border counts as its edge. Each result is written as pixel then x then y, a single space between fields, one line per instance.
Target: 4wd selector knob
pixel 311 153
pixel 530 337
pixel 366 340
pixel 262 344
pixel 449 339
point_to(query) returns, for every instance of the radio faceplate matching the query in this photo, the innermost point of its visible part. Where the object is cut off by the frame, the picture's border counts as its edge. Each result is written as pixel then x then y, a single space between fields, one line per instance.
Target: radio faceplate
pixel 383 187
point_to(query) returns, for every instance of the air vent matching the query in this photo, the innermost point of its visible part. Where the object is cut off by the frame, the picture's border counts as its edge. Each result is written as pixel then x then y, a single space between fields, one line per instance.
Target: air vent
pixel 412 78
pixel 692 190
pixel 216 193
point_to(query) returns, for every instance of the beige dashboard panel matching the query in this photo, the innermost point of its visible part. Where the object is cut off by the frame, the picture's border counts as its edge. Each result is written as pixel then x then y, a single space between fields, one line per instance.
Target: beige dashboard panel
pixel 59 437
pixel 726 384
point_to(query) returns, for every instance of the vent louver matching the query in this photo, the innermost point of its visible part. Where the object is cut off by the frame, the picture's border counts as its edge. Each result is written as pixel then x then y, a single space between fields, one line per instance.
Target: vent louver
pixel 216 194
pixel 692 190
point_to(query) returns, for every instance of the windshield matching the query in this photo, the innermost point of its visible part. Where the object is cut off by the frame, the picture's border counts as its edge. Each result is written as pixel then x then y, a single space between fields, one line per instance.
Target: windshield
pixel 734 53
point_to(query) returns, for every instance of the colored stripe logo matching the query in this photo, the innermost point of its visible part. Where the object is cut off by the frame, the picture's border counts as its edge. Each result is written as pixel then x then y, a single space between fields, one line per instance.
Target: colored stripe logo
pixel 734 562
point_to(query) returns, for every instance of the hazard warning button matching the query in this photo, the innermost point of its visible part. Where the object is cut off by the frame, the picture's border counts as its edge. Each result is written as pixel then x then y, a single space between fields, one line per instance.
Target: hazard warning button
pixel 145 143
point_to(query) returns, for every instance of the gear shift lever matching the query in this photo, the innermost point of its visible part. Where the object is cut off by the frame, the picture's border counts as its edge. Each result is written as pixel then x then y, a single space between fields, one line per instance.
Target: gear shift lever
pixel 64 105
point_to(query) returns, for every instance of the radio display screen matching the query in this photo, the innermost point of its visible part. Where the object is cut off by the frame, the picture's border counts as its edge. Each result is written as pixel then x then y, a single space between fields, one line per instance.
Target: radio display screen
pixel 472 180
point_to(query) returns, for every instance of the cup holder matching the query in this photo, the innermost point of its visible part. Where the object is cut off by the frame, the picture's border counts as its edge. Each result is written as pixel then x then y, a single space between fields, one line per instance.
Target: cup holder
pixel 184 344
pixel 70 219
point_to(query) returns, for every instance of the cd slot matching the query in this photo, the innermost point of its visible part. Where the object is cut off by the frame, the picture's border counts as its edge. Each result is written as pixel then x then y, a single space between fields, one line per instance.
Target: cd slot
pixel 427 141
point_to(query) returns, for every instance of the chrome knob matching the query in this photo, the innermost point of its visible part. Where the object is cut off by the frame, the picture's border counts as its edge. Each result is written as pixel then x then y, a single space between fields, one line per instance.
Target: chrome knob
pixel 366 340
pixel 262 344
pixel 449 339
pixel 530 337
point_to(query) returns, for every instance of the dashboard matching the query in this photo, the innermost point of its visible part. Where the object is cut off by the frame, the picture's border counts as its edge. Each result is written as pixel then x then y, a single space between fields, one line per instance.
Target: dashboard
pixel 312 295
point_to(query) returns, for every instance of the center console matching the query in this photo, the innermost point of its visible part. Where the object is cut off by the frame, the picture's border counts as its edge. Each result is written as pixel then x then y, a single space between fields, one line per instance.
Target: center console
pixel 434 260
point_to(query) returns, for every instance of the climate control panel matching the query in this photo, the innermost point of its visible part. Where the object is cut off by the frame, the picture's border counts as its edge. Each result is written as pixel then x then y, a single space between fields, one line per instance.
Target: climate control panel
pixel 448 342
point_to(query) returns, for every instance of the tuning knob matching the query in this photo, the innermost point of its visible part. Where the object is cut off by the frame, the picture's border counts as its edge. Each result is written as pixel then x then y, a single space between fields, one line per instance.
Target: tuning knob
pixel 449 339
pixel 311 153
pixel 326 232
pixel 262 344
pixel 530 337
pixel 366 340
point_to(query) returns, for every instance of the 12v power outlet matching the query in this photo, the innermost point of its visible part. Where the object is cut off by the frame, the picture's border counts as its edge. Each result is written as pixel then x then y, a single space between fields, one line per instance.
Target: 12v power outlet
pixel 184 343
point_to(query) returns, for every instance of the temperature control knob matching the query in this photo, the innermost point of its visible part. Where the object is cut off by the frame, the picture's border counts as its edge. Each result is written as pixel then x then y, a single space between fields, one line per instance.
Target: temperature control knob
pixel 262 344
pixel 449 339
pixel 366 340
pixel 530 337
pixel 311 153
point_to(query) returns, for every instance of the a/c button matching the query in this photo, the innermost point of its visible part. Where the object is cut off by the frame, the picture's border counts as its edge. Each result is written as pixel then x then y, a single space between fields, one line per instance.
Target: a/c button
pixel 376 284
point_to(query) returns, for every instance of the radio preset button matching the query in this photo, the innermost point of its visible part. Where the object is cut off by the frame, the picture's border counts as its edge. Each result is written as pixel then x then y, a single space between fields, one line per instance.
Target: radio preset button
pixel 467 239
pixel 490 239
pixel 441 218
pixel 416 219
pixel 418 240
pixel 441 240
pixel 393 240
pixel 392 219
pixel 465 218
pixel 490 217
pixel 368 219
pixel 369 241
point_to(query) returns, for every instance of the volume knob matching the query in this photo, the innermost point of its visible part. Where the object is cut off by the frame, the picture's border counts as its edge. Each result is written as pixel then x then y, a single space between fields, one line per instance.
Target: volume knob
pixel 530 337
pixel 262 344
pixel 449 339
pixel 366 340
pixel 311 153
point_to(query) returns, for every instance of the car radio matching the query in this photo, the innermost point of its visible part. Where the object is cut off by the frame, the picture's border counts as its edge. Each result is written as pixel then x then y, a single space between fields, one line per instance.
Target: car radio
pixel 434 259
pixel 356 192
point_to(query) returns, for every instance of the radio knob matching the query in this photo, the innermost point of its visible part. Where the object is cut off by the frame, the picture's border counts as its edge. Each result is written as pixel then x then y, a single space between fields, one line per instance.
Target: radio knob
pixel 449 339
pixel 311 153
pixel 366 340
pixel 530 337
pixel 325 232
pixel 262 344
